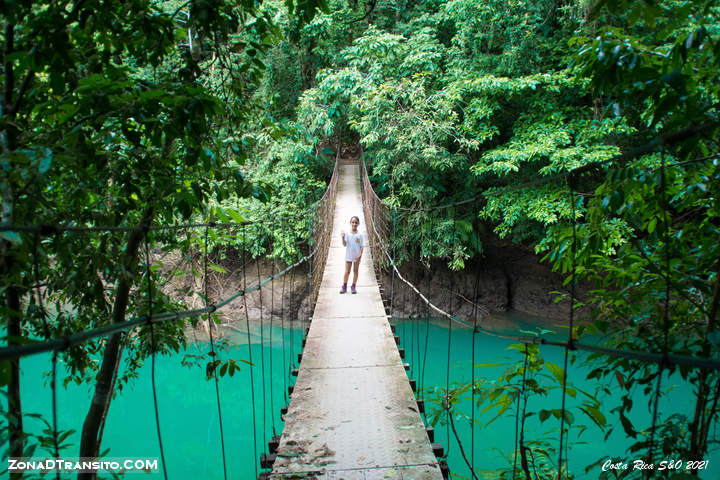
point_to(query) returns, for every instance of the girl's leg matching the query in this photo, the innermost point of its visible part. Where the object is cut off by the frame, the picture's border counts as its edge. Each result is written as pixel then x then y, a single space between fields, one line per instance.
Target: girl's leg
pixel 347 272
pixel 356 269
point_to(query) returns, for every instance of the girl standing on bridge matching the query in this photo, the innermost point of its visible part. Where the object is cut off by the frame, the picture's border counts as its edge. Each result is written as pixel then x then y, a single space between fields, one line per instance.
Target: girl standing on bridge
pixel 353 243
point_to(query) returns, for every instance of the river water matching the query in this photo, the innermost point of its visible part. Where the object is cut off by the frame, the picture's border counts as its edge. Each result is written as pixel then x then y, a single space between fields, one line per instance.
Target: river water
pixel 189 419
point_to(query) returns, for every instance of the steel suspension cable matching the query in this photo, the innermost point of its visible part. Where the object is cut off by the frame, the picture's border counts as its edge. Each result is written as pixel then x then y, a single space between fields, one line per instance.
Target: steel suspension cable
pixel 262 344
pixel 537 340
pixel 213 353
pixel 272 308
pixel 427 309
pixel 569 346
pixel 415 340
pixel 46 328
pixel 153 346
pixel 462 450
pixel 474 333
pixel 249 342
pixel 519 443
pixel 16 351
pixel 447 371
pixel 414 353
pixel 292 333
pixel 392 279
pixel 666 309
pixel 284 337
pixel 306 317
pixel 408 315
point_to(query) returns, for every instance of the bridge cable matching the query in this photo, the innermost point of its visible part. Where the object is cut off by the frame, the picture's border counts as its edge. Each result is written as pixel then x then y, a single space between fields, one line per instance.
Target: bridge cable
pixel 447 371
pixel 666 307
pixel 569 346
pixel 292 333
pixel 282 329
pixel 306 317
pixel 414 339
pixel 427 306
pixel 425 352
pixel 249 341
pixel 392 278
pixel 459 442
pixel 215 360
pixel 474 333
pixel 153 347
pixel 50 229
pixel 16 351
pixel 469 463
pixel 262 343
pixel 668 139
pixel 416 348
pixel 678 360
pixel 46 329
pixel 421 312
pixel 520 420
pixel 272 308
pixel 401 327
pixel 407 306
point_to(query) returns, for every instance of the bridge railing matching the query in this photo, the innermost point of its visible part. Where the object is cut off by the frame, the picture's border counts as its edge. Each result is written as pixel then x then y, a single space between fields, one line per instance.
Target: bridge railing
pixel 321 224
pixel 59 341
pixel 377 221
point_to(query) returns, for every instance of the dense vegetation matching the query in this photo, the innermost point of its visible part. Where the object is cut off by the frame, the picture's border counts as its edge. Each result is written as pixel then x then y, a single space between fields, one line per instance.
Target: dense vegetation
pixel 587 131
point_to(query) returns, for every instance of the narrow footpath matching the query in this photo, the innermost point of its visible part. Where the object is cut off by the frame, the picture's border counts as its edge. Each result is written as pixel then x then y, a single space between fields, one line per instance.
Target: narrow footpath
pixel 352 414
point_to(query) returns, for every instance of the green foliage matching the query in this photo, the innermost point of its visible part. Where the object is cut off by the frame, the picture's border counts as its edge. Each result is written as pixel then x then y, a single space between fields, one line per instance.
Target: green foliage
pixel 504 100
pixel 513 392
pixel 427 113
pixel 648 236
pixel 132 113
pixel 119 114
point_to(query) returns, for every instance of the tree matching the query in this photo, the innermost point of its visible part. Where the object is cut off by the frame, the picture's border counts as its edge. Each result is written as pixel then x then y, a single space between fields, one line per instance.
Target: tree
pixel 110 117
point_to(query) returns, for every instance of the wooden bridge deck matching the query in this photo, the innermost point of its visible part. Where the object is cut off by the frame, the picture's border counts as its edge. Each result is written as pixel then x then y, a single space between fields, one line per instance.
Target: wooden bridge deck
pixel 352 414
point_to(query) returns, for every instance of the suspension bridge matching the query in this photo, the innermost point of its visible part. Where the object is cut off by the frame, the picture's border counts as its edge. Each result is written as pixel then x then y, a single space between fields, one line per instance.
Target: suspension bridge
pixel 353 411
pixel 353 414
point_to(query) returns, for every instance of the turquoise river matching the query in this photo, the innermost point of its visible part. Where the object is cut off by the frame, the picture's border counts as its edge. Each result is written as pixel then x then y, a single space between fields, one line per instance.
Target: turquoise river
pixel 190 427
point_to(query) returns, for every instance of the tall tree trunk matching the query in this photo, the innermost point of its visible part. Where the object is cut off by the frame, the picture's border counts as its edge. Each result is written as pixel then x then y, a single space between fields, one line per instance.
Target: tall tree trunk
pixel 12 295
pixel 91 437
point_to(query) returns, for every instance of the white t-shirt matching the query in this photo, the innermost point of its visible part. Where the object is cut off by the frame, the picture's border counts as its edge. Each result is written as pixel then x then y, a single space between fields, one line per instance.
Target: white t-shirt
pixel 354 242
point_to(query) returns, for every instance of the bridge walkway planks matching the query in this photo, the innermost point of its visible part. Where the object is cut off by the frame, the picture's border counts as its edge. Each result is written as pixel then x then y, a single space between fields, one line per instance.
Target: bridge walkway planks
pixel 352 414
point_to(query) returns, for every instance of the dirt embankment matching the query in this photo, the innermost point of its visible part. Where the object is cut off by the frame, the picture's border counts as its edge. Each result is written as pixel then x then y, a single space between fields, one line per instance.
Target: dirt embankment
pixel 284 298
pixel 507 278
